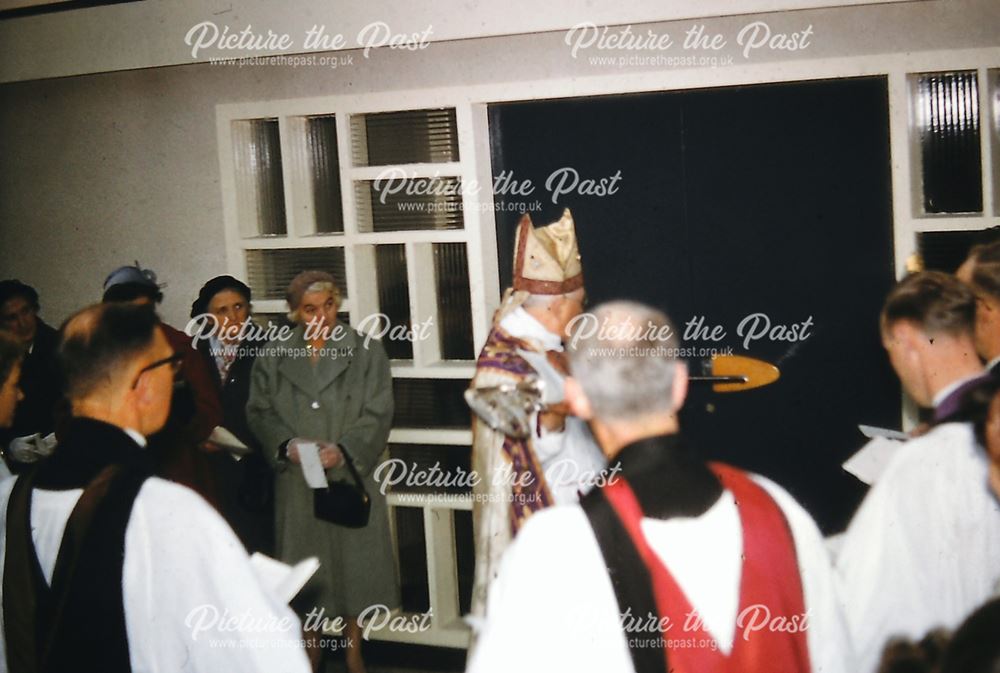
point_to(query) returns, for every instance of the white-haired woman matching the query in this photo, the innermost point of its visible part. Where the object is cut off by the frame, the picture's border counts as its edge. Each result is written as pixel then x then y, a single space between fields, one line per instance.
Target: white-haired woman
pixel 326 385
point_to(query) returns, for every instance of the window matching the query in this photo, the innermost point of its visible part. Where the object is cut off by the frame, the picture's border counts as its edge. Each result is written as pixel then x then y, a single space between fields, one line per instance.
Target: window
pixel 376 198
pixel 947 121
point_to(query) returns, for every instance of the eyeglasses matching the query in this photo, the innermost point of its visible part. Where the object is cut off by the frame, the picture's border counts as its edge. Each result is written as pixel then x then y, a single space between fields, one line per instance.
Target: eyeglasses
pixel 174 361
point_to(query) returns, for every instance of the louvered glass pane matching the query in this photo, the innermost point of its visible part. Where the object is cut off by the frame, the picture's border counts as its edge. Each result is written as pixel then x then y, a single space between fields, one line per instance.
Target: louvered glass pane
pixel 445 469
pixel 948 123
pixel 411 541
pixel 451 269
pixel 260 192
pixel 995 136
pixel 271 320
pixel 394 297
pixel 275 321
pixel 270 271
pixel 325 174
pixel 406 205
pixel 946 250
pixel 465 552
pixel 430 403
pixel 410 137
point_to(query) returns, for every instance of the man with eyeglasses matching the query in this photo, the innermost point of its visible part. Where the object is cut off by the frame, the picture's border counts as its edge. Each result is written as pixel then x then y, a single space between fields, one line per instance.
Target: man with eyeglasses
pixel 108 568
pixel 179 449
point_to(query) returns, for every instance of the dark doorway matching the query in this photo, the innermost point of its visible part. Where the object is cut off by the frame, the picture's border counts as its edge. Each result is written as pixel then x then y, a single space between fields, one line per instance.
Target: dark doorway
pixel 767 199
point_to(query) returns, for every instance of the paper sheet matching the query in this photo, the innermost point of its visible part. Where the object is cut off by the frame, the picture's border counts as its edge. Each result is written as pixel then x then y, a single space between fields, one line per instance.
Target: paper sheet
pixel 553 390
pixel 283 580
pixel 228 441
pixel 871 432
pixel 312 468
pixel 870 461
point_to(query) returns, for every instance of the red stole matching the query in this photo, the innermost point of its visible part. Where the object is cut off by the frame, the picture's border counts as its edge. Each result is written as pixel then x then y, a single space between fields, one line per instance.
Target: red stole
pixel 769 577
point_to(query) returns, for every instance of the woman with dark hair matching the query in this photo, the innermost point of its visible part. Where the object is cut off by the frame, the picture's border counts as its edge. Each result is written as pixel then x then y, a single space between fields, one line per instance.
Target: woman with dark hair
pixel 246 488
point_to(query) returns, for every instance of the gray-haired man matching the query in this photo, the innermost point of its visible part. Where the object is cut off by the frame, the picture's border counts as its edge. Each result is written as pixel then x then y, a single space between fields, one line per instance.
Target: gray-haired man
pixel 674 564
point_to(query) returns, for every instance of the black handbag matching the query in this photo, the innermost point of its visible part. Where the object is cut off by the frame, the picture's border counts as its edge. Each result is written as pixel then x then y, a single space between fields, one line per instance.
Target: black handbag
pixel 342 503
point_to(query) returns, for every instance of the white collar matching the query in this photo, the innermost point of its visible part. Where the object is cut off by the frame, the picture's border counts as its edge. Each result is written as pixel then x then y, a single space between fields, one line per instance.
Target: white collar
pixel 521 324
pixel 136 436
pixel 217 345
pixel 992 363
pixel 950 388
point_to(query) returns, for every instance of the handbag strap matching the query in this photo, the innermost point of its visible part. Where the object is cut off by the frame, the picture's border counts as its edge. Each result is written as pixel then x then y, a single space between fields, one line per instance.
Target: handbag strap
pixel 349 464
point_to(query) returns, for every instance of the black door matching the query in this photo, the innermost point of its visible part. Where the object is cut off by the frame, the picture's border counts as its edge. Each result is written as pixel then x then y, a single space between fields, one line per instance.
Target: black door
pixel 765 205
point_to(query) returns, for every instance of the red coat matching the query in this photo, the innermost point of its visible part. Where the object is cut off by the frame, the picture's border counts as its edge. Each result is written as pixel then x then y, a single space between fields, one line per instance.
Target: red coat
pixel 177 448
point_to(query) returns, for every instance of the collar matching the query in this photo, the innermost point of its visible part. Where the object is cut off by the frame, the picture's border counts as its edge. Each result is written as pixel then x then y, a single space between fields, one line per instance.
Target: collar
pixel 668 477
pixel 218 345
pixel 943 394
pixel 993 363
pixel 86 447
pixel 522 325
pixel 136 437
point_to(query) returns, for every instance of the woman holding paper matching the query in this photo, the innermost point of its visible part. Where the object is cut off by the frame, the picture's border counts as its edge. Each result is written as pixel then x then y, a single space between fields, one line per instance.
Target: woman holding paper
pixel 324 396
pixel 226 337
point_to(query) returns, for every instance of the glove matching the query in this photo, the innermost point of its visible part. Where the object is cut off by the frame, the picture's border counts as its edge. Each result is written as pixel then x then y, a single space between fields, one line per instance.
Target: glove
pixel 31 448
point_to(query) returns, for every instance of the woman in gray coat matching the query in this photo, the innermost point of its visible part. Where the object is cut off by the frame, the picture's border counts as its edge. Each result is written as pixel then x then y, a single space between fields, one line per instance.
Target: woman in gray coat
pixel 326 385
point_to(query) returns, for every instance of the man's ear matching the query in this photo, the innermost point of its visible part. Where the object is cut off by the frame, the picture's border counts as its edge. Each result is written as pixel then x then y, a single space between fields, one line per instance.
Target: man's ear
pixel 577 399
pixel 989 306
pixel 914 340
pixel 680 388
pixel 142 395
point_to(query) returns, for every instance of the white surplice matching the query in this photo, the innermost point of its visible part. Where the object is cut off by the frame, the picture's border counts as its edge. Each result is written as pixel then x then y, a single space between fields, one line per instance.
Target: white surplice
pixel 192 601
pixel 570 458
pixel 553 608
pixel 923 550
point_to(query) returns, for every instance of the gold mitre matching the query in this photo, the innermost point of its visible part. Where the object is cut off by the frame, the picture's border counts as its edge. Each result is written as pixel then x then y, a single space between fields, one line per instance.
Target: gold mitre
pixel 547 259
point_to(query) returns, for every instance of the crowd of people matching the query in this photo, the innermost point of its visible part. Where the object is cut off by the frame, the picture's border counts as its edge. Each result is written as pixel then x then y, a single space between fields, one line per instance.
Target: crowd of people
pixel 668 562
pixel 183 450
pixel 148 463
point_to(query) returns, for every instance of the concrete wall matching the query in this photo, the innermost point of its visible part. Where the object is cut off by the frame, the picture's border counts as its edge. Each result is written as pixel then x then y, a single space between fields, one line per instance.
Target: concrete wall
pixel 100 170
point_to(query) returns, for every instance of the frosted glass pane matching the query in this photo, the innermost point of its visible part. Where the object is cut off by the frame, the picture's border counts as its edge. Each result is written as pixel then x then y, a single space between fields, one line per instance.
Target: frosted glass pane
pixel 325 174
pixel 411 541
pixel 951 160
pixel 394 296
pixel 453 463
pixel 946 250
pixel 430 403
pixel 412 136
pixel 279 320
pixel 451 268
pixel 259 189
pixel 409 205
pixel 995 136
pixel 270 271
